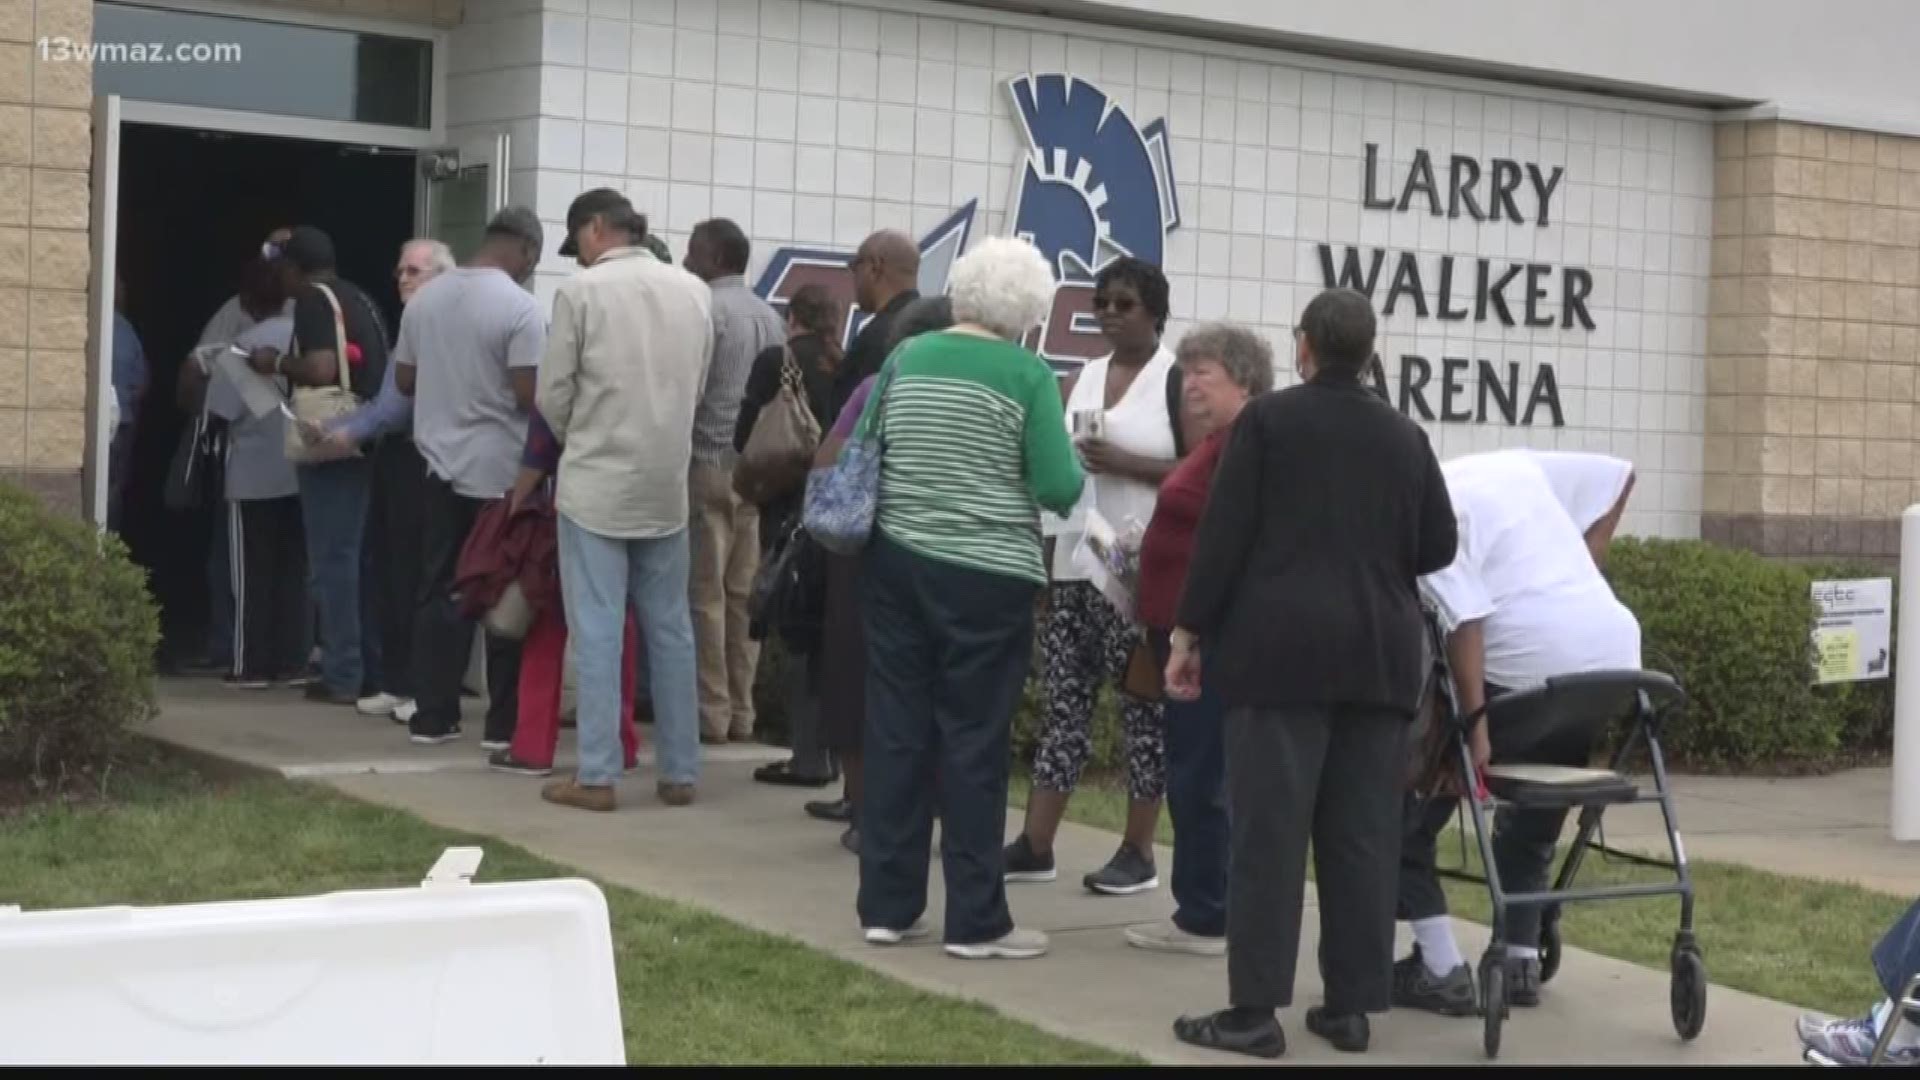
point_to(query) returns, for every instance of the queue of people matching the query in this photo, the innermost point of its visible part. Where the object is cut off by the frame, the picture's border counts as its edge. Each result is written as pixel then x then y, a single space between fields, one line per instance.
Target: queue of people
pixel 1268 665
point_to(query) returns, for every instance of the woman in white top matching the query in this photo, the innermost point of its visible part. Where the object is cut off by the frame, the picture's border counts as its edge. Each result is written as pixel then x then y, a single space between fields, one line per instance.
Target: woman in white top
pixel 1125 407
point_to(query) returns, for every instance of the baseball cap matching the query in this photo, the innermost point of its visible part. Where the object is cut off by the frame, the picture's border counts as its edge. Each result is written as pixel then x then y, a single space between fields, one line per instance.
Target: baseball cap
pixel 521 224
pixel 309 249
pixel 598 203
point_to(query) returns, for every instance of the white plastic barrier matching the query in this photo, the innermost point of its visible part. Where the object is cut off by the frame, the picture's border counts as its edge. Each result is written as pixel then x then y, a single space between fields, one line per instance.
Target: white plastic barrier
pixel 448 973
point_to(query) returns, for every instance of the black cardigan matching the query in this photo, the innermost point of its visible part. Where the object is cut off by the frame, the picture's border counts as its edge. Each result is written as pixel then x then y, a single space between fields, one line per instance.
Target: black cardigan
pixel 1327 507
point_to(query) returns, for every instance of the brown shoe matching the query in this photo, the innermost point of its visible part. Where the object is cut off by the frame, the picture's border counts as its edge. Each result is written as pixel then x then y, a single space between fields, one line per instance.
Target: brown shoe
pixel 570 792
pixel 675 794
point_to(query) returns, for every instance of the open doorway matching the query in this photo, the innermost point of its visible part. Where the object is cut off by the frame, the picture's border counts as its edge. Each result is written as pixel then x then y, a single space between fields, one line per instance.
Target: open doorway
pixel 194 207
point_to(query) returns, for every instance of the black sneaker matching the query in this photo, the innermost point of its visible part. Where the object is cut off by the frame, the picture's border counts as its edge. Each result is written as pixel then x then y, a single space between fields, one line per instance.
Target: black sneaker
pixel 1127 873
pixel 1415 986
pixel 420 738
pixel 503 761
pixel 1024 865
pixel 1523 981
pixel 851 839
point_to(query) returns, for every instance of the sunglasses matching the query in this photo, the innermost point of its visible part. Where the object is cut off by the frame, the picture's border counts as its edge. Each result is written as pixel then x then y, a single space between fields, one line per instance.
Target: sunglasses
pixel 1119 305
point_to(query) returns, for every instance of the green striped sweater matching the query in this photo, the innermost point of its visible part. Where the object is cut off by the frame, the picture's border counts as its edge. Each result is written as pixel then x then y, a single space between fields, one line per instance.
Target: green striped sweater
pixel 976 441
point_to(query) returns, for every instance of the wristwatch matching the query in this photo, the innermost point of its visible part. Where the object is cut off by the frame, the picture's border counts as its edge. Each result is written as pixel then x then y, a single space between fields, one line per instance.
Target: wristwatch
pixel 1184 640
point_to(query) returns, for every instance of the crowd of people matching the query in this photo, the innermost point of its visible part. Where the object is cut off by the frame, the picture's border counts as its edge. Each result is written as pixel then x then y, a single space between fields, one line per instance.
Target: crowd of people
pixel 612 460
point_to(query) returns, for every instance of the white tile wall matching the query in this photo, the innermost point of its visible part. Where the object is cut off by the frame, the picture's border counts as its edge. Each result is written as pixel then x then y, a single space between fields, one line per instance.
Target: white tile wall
pixel 814 122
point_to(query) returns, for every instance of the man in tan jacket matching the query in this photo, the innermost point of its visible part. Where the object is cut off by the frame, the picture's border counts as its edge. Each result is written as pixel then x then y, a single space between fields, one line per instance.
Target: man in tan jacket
pixel 627 359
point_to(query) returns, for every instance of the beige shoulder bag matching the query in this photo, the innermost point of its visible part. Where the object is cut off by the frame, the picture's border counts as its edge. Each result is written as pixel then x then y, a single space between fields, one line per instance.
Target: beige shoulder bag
pixel 321 405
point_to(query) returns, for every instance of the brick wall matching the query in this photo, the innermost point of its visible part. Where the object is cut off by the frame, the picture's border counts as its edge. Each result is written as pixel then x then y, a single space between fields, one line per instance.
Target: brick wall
pixel 45 153
pixel 1814 339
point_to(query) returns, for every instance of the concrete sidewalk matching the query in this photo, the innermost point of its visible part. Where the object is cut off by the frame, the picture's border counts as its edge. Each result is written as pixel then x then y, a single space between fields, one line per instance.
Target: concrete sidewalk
pixel 745 851
pixel 1830 827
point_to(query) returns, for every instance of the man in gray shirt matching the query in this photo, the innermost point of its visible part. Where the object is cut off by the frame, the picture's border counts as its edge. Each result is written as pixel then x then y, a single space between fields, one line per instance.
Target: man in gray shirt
pixel 725 527
pixel 470 344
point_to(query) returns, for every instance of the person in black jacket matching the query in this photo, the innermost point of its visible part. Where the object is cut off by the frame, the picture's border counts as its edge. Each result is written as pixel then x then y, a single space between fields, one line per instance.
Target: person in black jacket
pixel 813 323
pixel 1327 507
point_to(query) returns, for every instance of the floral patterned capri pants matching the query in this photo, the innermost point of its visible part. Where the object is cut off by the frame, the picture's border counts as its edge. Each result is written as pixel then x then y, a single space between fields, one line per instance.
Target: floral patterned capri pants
pixel 1087 643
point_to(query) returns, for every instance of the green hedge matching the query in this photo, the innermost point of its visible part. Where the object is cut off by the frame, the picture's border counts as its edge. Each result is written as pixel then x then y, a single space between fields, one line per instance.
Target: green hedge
pixel 77 637
pixel 1733 627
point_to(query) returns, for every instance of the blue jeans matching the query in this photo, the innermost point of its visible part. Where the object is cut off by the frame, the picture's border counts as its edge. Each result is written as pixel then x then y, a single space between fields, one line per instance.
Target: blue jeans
pixel 1197 802
pixel 333 507
pixel 599 577
pixel 1897 956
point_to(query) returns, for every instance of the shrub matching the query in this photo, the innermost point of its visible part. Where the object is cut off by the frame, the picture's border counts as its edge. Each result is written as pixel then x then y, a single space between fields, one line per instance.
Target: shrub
pixel 77 637
pixel 1735 629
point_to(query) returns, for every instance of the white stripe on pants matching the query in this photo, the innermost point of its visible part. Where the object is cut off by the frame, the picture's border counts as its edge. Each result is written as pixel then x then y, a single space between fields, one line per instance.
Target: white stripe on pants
pixel 237 577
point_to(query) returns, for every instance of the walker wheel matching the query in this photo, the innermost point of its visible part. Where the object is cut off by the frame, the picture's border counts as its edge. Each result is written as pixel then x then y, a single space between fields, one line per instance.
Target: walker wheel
pixel 1493 1001
pixel 1689 993
pixel 1549 950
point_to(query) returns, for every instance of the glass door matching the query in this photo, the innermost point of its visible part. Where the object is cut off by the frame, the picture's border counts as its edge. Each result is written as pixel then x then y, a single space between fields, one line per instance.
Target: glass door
pixel 461 187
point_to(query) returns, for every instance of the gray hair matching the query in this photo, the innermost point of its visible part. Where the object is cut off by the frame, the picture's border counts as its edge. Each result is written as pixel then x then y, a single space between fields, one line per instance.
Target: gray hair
pixel 439 256
pixel 1003 284
pixel 1245 356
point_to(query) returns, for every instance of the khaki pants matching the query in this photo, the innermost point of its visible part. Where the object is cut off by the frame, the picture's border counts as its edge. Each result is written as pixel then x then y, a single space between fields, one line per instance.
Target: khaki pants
pixel 726 554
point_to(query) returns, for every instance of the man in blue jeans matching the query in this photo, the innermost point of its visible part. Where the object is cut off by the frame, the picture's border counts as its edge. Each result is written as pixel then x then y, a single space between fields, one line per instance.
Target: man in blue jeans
pixel 1896 959
pixel 627 359
pixel 333 494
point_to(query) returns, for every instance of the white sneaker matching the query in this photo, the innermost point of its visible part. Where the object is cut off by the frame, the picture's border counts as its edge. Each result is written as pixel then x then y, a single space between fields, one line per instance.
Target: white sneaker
pixel 405 711
pixel 1167 938
pixel 880 935
pixel 381 704
pixel 1017 945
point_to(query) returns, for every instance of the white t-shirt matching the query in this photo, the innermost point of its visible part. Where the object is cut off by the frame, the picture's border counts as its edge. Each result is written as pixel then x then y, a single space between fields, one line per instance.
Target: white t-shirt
pixel 1139 424
pixel 1523 568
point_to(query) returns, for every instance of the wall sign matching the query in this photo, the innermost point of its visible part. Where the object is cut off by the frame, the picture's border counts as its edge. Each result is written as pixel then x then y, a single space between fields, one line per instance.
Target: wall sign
pixel 1091 187
pixel 1854 633
pixel 1094 184
pixel 1468 289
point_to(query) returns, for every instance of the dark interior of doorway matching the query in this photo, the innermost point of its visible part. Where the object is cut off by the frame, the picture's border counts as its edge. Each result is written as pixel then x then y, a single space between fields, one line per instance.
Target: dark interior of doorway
pixel 194 206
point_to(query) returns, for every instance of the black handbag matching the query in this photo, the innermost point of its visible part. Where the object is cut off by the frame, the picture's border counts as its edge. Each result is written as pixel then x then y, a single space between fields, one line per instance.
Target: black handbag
pixel 788 593
pixel 193 459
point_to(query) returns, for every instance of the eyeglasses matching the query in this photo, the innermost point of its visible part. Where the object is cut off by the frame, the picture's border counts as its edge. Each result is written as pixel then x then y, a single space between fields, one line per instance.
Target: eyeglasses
pixel 1119 305
pixel 271 250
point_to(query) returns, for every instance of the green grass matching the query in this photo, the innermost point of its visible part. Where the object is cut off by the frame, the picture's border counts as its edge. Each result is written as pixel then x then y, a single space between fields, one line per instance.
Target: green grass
pixel 694 988
pixel 1786 938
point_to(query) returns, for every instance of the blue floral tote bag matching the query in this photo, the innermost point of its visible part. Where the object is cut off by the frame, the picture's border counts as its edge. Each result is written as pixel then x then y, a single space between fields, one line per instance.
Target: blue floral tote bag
pixel 843 499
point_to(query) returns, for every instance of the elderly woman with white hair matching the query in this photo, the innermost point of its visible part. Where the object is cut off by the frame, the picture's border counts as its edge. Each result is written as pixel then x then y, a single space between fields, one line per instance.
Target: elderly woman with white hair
pixel 975 443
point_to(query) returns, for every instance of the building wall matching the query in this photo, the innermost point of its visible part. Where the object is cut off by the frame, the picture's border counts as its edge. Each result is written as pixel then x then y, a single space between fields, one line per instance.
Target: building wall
pixel 812 124
pixel 1815 339
pixel 45 151
pixel 1840 58
pixel 446 13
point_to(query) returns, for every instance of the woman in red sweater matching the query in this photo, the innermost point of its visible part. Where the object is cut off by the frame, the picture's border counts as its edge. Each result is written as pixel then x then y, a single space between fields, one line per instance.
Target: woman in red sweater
pixel 1222 368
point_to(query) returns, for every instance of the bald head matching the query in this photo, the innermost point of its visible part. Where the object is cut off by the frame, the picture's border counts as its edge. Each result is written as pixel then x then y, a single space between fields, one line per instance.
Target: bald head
pixel 886 265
